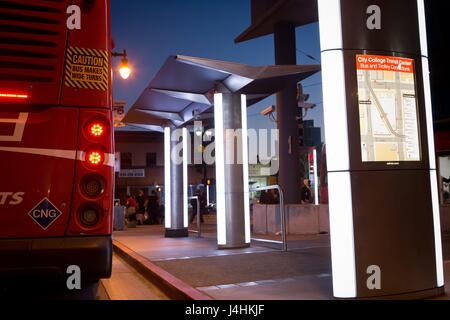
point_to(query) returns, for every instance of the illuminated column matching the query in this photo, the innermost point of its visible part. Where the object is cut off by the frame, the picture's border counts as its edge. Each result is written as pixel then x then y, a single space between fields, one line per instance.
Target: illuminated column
pixel 379 183
pixel 176 182
pixel 233 203
pixel 338 162
pixel 316 179
pixel 431 145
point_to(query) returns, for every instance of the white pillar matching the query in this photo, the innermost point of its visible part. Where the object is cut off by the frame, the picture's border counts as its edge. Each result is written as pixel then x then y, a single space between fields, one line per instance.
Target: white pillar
pixel 233 202
pixel 349 219
pixel 176 182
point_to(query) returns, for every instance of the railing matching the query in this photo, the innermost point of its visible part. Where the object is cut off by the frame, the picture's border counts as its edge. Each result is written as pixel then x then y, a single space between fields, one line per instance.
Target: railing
pixel 283 216
pixel 199 221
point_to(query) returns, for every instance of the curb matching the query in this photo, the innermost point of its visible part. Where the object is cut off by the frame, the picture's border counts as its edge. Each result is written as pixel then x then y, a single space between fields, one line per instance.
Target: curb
pixel 172 286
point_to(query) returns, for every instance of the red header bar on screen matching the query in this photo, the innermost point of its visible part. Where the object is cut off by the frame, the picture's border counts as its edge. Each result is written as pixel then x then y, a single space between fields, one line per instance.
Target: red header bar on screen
pixel 384 63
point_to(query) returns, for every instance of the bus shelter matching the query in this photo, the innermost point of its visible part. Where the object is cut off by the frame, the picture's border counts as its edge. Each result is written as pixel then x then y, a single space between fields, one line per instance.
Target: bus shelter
pixel 183 90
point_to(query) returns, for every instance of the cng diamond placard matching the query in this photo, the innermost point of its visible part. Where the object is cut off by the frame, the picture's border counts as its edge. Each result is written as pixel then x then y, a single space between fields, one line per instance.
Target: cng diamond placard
pixel 45 214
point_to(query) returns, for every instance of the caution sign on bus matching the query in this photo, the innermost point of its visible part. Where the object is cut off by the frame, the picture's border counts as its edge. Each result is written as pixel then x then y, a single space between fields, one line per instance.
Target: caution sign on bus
pixel 87 69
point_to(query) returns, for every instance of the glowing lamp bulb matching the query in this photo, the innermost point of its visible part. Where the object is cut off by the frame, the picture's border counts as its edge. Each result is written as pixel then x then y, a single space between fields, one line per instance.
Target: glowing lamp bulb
pixel 95 158
pixel 125 70
pixel 96 130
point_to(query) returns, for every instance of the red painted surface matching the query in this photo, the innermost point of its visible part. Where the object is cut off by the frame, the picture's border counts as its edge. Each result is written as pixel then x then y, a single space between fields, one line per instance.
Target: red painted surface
pixel 442 139
pixel 44 132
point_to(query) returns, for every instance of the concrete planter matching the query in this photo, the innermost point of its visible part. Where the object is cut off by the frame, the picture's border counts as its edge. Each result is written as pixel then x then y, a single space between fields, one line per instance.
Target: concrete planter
pixel 308 219
pixel 260 219
pixel 301 219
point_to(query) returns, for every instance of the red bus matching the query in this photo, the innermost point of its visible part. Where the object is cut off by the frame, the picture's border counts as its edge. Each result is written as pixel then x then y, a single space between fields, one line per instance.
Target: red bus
pixel 56 138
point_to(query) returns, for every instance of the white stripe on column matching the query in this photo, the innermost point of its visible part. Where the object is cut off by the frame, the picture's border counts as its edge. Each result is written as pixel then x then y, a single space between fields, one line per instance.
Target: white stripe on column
pixel 167 189
pixel 330 24
pixel 422 28
pixel 220 169
pixel 335 111
pixel 342 237
pixel 338 158
pixel 431 145
pixel 437 229
pixel 245 168
pixel 426 82
pixel 429 113
pixel 333 78
pixel 185 178
pixel 316 179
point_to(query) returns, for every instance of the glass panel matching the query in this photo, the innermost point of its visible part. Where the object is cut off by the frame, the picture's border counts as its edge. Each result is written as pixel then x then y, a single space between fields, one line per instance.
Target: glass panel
pixel 388 109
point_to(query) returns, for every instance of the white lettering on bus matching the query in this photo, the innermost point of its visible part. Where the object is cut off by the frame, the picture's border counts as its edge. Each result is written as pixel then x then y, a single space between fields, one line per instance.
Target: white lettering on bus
pixel 11 198
pixel 19 128
pixel 41 213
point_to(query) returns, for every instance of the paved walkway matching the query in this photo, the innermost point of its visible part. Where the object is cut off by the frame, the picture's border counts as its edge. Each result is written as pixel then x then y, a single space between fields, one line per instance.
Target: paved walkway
pixel 261 272
pixel 127 284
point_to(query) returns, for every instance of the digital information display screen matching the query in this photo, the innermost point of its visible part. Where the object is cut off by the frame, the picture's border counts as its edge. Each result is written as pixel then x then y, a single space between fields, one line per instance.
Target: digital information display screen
pixel 388 109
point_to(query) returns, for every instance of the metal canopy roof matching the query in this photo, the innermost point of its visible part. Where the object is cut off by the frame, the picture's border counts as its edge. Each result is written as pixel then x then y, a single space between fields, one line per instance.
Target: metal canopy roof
pixel 184 89
pixel 267 13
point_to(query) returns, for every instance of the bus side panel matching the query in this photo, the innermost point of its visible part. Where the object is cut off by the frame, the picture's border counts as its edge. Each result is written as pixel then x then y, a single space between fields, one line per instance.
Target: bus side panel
pixel 37 164
pixel 87 78
pixel 33 37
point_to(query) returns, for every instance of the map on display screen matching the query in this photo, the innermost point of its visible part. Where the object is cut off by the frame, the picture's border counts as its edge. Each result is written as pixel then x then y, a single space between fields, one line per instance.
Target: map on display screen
pixel 388 109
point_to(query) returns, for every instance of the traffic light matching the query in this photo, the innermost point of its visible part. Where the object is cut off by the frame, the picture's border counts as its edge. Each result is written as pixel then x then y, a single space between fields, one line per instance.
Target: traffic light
pixel 302 99
pixel 209 182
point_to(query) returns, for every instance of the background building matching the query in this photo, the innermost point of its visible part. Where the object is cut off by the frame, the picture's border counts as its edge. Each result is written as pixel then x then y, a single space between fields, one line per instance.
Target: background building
pixel 140 164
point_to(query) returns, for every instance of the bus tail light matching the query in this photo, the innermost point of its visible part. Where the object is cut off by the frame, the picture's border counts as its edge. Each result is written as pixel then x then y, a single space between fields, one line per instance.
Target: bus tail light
pixel 93 186
pixel 95 158
pixel 89 216
pixel 97 129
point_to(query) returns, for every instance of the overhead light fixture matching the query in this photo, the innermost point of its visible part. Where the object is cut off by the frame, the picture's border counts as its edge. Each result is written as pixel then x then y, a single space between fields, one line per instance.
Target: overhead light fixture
pixel 124 69
pixel 198 131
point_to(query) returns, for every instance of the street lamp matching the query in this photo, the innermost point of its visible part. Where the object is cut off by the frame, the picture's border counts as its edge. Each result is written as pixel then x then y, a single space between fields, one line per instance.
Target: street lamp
pixel 124 69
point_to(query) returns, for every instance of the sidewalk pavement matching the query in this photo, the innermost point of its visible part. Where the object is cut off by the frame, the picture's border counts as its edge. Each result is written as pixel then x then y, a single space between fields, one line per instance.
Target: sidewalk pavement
pixel 261 272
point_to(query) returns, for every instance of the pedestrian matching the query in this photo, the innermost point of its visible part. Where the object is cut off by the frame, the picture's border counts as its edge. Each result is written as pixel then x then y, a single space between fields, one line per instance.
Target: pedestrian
pixel 140 199
pixel 263 197
pixel 272 197
pixel 153 208
pixel 131 206
pixel 306 192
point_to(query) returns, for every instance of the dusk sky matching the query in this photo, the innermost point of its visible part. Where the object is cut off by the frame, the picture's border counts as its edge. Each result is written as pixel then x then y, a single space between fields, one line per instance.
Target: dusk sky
pixel 153 30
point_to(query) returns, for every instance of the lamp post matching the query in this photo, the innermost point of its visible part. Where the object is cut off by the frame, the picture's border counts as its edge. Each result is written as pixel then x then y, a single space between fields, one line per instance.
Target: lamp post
pixel 124 69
